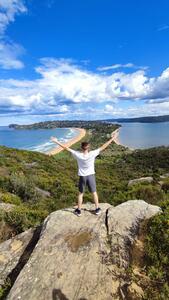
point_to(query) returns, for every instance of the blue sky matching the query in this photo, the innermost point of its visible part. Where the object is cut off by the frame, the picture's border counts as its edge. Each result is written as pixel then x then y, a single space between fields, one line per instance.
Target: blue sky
pixel 87 59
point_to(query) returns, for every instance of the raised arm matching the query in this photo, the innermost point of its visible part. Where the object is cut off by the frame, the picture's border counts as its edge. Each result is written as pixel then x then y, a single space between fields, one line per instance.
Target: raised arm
pixel 53 139
pixel 104 146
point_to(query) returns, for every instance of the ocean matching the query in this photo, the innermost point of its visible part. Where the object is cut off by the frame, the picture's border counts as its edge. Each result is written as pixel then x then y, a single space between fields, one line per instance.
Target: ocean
pixel 35 139
pixel 133 135
pixel 144 135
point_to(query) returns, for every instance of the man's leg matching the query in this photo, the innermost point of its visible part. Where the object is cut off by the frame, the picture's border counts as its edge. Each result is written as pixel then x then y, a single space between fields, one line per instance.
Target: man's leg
pixel 95 198
pixel 80 200
pixel 91 182
pixel 82 183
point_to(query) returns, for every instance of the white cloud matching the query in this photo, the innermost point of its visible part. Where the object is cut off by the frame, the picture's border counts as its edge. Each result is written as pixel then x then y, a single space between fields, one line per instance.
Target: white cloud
pixel 8 10
pixel 65 88
pixel 10 51
pixel 8 56
pixel 164 27
pixel 120 66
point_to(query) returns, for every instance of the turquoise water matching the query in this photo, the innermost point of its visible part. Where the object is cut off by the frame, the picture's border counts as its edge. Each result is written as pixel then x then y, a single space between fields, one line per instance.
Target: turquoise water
pixel 144 135
pixel 34 139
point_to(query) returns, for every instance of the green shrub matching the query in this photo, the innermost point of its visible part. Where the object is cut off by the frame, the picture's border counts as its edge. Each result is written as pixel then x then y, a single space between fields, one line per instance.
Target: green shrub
pixel 23 186
pixel 22 218
pixel 165 185
pixel 10 198
pixel 147 192
pixel 157 254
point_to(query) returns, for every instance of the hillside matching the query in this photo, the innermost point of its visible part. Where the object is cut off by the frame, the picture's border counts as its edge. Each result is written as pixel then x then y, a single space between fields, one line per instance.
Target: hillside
pixel 38 185
pixel 148 119
pixel 92 125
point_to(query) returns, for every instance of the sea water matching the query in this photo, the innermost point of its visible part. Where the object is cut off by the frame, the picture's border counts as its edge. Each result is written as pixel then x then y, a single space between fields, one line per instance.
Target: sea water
pixel 35 139
pixel 144 135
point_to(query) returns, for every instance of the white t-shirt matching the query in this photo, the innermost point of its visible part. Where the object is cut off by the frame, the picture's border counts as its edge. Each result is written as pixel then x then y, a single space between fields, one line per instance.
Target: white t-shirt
pixel 85 161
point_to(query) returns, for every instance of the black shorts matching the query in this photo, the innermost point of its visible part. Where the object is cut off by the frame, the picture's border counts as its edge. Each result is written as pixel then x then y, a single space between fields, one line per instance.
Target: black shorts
pixel 90 181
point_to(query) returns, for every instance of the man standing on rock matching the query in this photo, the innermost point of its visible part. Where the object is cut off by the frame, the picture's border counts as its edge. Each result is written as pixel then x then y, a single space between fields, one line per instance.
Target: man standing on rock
pixel 86 171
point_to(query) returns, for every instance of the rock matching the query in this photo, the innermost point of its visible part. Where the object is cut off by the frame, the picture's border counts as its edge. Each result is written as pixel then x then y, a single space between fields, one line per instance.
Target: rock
pixel 164 176
pixel 30 165
pixel 135 292
pixel 43 193
pixel 142 179
pixel 11 251
pixel 6 206
pixel 123 224
pixel 82 257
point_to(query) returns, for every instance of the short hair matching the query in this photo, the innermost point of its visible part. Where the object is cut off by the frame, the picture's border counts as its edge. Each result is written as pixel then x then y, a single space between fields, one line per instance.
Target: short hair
pixel 84 145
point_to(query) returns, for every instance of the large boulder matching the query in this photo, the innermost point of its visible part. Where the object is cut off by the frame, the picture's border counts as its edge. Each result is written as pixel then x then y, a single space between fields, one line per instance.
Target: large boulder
pixel 147 179
pixel 11 251
pixel 82 257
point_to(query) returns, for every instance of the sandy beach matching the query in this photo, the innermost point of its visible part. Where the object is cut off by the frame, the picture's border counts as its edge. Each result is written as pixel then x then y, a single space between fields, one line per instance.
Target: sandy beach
pixel 82 133
pixel 116 136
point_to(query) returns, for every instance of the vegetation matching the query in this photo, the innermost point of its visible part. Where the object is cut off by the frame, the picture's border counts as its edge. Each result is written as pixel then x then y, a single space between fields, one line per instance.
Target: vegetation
pixel 38 184
pixel 151 119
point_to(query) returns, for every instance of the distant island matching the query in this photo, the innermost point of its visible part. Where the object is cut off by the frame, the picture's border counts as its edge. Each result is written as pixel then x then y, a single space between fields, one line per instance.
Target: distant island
pixel 89 124
pixel 148 119
pixel 64 124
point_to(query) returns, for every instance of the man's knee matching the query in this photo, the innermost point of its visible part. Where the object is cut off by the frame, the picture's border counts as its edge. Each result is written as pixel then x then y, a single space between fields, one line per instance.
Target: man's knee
pixel 80 194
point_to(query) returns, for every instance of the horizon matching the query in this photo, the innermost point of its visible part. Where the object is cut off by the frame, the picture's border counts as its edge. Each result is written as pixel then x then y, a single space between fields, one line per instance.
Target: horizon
pixel 100 58
pixel 91 120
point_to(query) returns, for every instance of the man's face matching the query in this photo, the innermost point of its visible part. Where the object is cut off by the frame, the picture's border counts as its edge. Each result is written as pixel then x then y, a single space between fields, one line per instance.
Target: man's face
pixel 87 147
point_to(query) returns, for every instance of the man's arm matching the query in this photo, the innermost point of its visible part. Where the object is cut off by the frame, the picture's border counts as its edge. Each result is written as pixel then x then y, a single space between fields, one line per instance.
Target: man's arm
pixel 53 139
pixel 104 146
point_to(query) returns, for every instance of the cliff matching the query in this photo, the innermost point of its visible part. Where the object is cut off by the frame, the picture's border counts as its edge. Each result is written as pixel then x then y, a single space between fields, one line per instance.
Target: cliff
pixel 78 258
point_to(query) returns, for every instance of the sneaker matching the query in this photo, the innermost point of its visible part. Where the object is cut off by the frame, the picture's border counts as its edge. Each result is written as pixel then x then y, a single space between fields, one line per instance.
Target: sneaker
pixel 98 211
pixel 77 212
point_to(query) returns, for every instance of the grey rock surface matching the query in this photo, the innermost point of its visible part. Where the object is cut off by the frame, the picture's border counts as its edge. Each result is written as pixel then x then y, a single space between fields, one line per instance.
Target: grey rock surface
pixel 11 251
pixel 82 257
pixel 42 193
pixel 6 206
pixel 148 179
pixel 164 176
pixel 123 224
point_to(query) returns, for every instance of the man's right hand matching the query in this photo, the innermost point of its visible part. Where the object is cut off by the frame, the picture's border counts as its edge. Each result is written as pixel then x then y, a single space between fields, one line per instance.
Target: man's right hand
pixel 53 139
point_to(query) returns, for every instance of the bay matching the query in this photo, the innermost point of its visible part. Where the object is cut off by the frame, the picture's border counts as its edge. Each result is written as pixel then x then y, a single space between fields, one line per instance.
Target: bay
pixel 144 135
pixel 34 139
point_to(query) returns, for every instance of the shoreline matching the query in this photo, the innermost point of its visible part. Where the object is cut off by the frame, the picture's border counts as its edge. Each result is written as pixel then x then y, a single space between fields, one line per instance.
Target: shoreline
pixel 82 133
pixel 116 139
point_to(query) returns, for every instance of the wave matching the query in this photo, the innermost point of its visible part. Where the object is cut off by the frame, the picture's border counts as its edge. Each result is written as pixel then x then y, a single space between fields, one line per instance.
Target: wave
pixel 42 147
pixel 49 145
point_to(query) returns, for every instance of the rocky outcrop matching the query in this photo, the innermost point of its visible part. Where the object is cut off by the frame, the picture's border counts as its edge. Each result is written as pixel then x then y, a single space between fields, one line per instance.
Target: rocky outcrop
pixel 42 193
pixel 11 251
pixel 6 206
pixel 148 179
pixel 83 258
pixel 164 176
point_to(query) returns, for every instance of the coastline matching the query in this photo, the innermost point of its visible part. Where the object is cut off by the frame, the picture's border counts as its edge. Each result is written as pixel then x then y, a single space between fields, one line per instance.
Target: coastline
pixel 116 139
pixel 82 133
pixel 116 136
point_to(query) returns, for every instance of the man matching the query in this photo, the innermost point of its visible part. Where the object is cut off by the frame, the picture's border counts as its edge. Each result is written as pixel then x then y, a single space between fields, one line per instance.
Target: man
pixel 86 171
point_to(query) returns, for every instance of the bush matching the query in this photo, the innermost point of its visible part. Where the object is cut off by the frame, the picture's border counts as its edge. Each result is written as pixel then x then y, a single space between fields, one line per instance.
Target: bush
pixel 147 192
pixel 21 218
pixel 23 186
pixel 165 185
pixel 157 258
pixel 10 198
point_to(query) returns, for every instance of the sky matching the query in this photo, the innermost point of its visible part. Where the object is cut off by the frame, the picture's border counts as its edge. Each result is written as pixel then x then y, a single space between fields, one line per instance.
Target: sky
pixel 83 59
